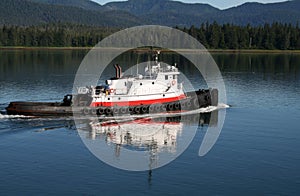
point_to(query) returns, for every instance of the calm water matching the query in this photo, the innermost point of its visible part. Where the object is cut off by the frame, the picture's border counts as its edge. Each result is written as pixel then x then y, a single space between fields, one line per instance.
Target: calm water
pixel 256 153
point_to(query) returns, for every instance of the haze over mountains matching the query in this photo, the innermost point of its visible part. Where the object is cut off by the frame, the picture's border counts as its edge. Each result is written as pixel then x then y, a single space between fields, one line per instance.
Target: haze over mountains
pixel 139 12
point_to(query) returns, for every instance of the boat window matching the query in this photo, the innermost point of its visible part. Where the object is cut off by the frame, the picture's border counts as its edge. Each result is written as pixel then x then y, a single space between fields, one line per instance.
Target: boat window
pixel 174 77
pixel 141 84
pixel 125 83
pixel 152 82
pixel 166 77
pixel 97 91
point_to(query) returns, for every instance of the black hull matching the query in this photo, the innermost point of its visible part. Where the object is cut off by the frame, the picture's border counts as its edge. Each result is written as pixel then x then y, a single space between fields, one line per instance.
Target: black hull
pixel 194 100
pixel 38 109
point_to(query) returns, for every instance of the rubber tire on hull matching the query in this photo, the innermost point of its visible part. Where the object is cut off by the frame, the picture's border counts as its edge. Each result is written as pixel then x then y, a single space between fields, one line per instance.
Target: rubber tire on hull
pixel 151 109
pixel 195 103
pixel 189 104
pixel 86 111
pixel 157 108
pixel 101 111
pixel 170 106
pixel 137 110
pixel 177 106
pixel 123 110
pixel 108 111
pixel 144 109
pixel 94 111
pixel 116 111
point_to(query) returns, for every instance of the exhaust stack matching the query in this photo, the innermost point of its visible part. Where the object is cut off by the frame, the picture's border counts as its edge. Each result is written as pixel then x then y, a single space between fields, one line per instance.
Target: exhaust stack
pixel 117 67
pixel 120 71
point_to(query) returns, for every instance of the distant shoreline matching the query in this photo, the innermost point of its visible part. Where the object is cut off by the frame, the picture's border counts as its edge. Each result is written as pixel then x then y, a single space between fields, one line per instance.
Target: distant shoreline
pixel 258 51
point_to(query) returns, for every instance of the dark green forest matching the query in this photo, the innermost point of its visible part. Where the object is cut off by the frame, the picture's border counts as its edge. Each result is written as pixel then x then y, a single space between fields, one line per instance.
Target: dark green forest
pixel 53 35
pixel 212 36
pixel 228 36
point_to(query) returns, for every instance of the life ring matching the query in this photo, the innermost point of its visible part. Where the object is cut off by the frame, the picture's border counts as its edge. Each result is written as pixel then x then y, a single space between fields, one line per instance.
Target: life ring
pixel 173 82
pixel 112 90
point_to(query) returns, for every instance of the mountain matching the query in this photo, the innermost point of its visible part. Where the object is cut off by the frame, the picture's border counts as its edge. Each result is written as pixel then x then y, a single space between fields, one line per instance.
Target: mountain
pixel 174 13
pixel 29 12
pixel 139 12
pixel 146 7
pixel 259 14
pixel 84 4
pixel 165 12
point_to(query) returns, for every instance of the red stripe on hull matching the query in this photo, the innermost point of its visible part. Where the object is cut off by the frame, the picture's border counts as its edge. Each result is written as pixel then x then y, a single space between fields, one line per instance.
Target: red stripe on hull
pixel 136 103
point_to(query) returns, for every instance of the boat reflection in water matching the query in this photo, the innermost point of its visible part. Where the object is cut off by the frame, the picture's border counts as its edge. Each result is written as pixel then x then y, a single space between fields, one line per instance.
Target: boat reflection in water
pixel 144 143
pixel 141 134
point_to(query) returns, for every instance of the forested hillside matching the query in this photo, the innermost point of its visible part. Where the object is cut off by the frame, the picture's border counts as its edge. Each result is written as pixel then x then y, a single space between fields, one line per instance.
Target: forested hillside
pixel 79 23
pixel 212 36
pixel 28 13
pixel 53 35
pixel 228 36
pixel 143 12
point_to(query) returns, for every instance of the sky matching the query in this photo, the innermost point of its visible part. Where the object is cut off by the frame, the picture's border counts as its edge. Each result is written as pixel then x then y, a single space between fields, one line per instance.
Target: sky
pixel 221 4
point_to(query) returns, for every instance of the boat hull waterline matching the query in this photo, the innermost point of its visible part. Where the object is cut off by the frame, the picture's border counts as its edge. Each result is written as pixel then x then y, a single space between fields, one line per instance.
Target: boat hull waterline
pixel 194 100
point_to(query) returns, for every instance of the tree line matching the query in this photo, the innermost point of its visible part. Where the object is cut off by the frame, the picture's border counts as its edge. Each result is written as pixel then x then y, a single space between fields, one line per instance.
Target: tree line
pixel 53 35
pixel 211 35
pixel 228 36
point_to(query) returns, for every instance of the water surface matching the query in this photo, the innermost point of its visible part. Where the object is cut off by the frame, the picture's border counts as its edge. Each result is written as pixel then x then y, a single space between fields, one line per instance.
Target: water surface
pixel 256 153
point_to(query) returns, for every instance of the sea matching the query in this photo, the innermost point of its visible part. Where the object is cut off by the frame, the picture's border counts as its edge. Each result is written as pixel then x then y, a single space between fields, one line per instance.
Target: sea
pixel 255 151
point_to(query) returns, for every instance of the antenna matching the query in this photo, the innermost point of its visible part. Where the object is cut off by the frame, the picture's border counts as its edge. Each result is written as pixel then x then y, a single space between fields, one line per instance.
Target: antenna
pixel 156 56
pixel 137 64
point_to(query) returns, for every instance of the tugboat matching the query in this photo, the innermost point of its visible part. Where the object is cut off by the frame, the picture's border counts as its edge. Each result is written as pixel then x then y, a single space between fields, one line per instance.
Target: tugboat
pixel 158 90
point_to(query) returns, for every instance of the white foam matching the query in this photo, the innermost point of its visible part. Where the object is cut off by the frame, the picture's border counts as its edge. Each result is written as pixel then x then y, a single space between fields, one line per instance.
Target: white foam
pixel 223 105
pixel 5 116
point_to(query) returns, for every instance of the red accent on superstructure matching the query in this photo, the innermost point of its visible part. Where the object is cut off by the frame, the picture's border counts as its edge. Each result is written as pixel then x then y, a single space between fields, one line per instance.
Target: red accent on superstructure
pixel 138 102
